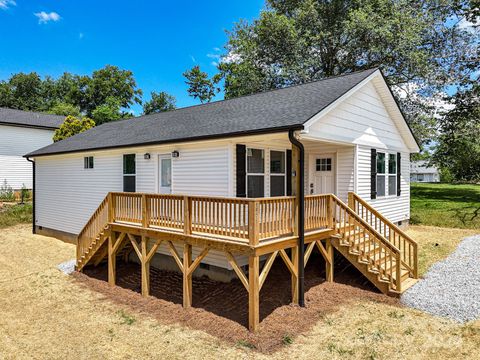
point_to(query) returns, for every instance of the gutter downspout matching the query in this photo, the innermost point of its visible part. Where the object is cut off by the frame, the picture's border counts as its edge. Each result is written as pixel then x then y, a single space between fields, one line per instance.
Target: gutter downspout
pixel 301 217
pixel 33 195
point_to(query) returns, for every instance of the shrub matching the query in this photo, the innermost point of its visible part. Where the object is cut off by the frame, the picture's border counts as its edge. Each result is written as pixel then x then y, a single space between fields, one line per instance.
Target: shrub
pixel 6 192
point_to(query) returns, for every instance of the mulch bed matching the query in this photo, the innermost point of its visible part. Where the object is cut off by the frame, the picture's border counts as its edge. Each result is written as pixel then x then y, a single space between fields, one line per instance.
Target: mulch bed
pixel 221 309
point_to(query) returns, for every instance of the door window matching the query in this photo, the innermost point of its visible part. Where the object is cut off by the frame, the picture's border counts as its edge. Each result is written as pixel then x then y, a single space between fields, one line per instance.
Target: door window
pixel 323 164
pixel 166 169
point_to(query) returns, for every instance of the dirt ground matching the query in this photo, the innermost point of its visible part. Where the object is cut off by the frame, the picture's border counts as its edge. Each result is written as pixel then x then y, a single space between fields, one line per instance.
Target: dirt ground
pixel 47 314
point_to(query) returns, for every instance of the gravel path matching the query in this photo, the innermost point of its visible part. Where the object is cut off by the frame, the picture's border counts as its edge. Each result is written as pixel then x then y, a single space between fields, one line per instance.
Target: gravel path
pixel 451 288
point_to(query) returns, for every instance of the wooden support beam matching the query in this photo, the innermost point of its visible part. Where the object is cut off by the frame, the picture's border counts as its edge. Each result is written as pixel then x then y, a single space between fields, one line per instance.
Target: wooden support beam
pixel 135 245
pixel 197 261
pixel 253 293
pixel 330 263
pixel 294 275
pixel 153 250
pixel 236 268
pixel 111 258
pixel 145 267
pixel 187 278
pixel 308 252
pixel 266 268
pixel 288 262
pixel 323 251
pixel 175 255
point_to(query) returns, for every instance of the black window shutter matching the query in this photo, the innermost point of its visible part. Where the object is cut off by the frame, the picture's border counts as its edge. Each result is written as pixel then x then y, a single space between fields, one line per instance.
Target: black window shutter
pixel 241 170
pixel 289 172
pixel 373 174
pixel 399 173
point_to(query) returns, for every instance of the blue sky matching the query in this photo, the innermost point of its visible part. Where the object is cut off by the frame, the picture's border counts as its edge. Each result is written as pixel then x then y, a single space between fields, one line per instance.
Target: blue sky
pixel 157 40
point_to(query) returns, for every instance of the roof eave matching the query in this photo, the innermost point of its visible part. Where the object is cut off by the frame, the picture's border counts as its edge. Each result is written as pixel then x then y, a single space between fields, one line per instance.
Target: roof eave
pixel 29 126
pixel 172 141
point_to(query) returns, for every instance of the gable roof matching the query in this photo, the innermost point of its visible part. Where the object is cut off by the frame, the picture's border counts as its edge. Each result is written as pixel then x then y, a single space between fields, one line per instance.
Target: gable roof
pixel 266 112
pixel 30 119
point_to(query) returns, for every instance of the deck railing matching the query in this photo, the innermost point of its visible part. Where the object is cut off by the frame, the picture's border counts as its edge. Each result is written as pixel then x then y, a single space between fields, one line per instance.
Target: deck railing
pixel 245 220
pixel 407 246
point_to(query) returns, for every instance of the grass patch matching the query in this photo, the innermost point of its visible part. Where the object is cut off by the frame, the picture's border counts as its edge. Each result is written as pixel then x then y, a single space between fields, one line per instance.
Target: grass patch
pixel 126 318
pixel 445 205
pixel 435 243
pixel 15 214
pixel 287 339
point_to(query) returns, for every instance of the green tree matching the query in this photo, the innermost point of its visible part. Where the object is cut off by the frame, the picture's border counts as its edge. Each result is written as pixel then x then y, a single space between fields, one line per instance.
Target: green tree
pixel 65 109
pixel 458 148
pixel 200 86
pixel 72 126
pixel 109 111
pixel 22 91
pixel 159 102
pixel 111 82
pixel 417 44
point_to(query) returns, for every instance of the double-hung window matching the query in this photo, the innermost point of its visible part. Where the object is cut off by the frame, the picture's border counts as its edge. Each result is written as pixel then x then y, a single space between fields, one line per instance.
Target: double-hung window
pixel 88 162
pixel 381 174
pixel 392 174
pixel 255 173
pixel 129 173
pixel 277 173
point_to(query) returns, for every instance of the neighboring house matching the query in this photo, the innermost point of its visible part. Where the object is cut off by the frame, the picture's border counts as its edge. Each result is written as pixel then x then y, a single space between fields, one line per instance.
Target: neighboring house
pixel 355 140
pixel 421 172
pixel 22 132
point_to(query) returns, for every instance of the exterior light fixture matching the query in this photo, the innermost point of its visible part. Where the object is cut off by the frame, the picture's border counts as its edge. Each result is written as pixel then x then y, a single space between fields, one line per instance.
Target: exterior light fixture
pixel 175 154
pixel 147 156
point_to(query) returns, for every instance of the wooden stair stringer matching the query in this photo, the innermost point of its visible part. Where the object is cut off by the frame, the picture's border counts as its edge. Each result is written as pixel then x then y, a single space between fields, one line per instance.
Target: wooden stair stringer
pixel 96 246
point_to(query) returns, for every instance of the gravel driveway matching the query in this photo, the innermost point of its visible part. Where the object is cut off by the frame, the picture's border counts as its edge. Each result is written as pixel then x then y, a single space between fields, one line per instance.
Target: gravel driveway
pixel 451 288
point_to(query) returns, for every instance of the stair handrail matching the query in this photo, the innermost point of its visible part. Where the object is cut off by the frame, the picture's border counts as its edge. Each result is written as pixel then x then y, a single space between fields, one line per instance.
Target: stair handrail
pixel 410 257
pixel 83 242
pixel 391 247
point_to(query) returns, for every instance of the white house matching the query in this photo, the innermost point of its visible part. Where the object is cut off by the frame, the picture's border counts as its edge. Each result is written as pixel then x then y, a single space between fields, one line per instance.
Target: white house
pixel 22 132
pixel 421 172
pixel 354 136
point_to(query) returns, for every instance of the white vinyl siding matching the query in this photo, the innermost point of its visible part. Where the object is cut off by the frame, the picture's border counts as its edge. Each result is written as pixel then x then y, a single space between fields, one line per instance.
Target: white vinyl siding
pixel 67 194
pixel 361 119
pixel 395 208
pixel 16 141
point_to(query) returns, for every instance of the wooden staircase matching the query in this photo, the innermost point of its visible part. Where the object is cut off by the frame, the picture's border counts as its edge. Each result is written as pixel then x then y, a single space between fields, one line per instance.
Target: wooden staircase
pixel 387 256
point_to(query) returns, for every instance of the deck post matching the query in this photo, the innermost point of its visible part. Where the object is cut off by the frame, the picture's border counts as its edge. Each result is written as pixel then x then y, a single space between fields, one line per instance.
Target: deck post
pixel 351 200
pixel 111 208
pixel 294 251
pixel 145 268
pixel 329 262
pixel 112 239
pixel 253 218
pixel 187 278
pixel 253 293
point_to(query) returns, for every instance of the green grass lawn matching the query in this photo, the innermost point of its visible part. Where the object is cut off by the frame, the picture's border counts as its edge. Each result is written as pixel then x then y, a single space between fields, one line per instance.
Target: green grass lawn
pixel 445 205
pixel 15 214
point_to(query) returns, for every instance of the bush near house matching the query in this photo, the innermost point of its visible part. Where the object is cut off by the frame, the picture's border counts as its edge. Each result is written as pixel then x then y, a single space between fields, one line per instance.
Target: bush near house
pixel 446 205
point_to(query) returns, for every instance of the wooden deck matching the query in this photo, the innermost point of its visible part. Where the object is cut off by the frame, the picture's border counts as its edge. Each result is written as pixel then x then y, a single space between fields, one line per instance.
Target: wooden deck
pixel 256 228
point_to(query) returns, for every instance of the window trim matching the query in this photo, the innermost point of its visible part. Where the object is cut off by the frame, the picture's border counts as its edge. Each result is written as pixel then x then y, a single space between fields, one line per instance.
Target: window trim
pixel 247 174
pixel 386 174
pixel 86 163
pixel 129 175
pixel 284 175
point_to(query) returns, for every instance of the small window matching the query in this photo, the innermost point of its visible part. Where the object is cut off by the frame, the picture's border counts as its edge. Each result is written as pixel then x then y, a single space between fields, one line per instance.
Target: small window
pixel 88 162
pixel 255 173
pixel 392 174
pixel 323 164
pixel 129 173
pixel 277 173
pixel 381 167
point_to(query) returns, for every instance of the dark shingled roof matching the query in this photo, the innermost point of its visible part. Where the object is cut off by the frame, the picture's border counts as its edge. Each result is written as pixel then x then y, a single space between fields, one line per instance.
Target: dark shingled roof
pixel 30 119
pixel 270 111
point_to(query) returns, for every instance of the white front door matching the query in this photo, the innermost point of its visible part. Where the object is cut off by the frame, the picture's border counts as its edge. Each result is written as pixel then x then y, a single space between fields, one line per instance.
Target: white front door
pixel 165 174
pixel 322 170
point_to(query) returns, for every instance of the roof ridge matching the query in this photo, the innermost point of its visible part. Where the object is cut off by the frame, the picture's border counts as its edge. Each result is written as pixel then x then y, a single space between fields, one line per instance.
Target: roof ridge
pixel 259 93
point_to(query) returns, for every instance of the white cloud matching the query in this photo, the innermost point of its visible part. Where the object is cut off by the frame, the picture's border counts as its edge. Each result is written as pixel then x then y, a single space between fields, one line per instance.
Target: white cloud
pixel 193 58
pixel 81 35
pixel 5 4
pixel 44 17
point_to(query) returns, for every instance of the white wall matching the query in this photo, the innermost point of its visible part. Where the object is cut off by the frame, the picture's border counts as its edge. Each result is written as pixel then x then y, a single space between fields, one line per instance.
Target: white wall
pixel 364 120
pixel 67 194
pixel 14 143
